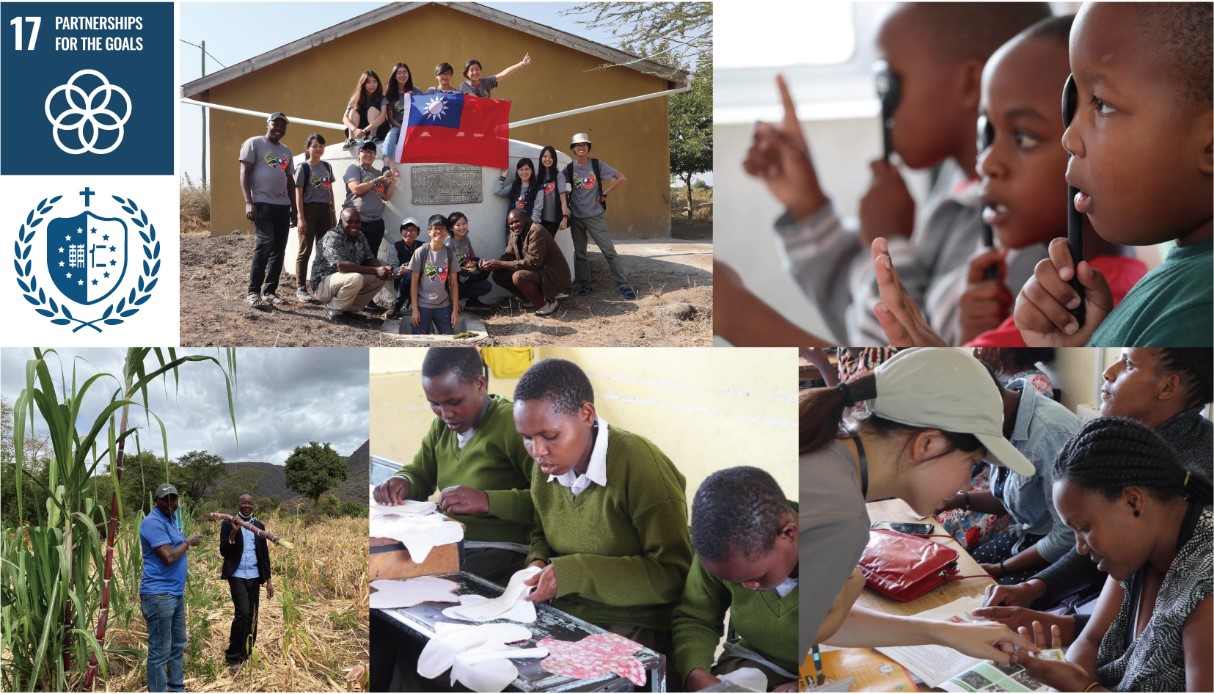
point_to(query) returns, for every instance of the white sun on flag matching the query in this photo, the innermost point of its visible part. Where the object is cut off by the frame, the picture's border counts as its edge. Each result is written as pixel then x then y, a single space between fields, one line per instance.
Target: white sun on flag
pixel 435 108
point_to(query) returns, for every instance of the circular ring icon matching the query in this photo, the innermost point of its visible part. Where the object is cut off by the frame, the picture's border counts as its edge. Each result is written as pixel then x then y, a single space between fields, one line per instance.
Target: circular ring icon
pixel 88 119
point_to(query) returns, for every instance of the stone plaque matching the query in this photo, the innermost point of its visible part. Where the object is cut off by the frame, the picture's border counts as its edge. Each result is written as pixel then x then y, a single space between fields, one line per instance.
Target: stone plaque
pixel 445 184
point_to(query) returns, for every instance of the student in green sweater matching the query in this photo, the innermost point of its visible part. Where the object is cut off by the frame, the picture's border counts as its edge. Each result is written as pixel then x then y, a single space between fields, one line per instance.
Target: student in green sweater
pixel 610 510
pixel 477 462
pixel 744 533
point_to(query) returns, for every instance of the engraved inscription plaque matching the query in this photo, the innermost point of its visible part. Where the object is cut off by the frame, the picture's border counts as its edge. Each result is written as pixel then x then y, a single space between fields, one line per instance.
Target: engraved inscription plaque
pixel 445 184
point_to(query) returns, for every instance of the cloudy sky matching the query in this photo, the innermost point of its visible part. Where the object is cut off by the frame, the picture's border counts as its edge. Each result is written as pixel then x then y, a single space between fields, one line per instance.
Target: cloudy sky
pixel 284 398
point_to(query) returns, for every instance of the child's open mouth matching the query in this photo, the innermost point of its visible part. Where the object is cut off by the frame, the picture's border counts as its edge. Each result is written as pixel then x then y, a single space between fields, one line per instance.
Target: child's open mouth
pixel 1083 202
pixel 994 214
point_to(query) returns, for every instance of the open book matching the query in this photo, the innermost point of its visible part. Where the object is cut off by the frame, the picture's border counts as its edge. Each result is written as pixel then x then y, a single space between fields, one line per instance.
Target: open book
pixel 947 669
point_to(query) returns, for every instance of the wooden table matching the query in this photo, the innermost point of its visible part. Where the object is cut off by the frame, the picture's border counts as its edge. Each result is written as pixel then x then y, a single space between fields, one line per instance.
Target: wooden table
pixel 897 510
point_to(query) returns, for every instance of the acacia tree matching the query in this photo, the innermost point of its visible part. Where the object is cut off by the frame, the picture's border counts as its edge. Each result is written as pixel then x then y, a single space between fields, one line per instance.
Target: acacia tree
pixel 670 33
pixel 314 469
pixel 198 470
pixel 691 129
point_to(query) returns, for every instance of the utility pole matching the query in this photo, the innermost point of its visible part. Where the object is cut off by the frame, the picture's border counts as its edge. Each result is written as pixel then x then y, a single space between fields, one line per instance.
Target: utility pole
pixel 204 117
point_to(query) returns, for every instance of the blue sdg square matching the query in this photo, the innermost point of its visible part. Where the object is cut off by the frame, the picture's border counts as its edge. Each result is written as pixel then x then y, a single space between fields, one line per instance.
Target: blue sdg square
pixel 87 88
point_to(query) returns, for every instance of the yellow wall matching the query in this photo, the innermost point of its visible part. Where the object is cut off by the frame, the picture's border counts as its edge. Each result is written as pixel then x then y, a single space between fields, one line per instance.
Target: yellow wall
pixel 707 409
pixel 317 83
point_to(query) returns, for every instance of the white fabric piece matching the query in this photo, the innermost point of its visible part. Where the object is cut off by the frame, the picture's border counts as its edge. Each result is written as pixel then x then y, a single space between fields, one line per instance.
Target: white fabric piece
pixel 395 593
pixel 509 605
pixel 409 508
pixel 475 653
pixel 488 670
pixel 748 678
pixel 420 534
pixel 522 611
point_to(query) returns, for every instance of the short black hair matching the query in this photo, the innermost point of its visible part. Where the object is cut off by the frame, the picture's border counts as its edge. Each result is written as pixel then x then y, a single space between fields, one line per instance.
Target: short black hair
pixel 464 362
pixel 437 220
pixel 443 67
pixel 1055 29
pixel 558 380
pixel 737 512
pixel 1182 32
pixel 1194 365
pixel 974 29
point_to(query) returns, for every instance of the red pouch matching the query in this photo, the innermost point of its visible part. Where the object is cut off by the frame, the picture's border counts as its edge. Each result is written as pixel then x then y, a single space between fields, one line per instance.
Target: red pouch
pixel 905 567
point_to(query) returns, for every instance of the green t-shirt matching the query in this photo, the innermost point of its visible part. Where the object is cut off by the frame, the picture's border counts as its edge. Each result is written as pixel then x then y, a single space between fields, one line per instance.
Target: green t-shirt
pixel 621 552
pixel 494 461
pixel 1171 306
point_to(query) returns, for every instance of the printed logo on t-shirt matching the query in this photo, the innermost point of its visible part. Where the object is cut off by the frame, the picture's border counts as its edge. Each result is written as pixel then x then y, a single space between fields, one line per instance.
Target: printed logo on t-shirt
pixel 584 183
pixel 379 187
pixel 279 163
pixel 467 261
pixel 549 187
pixel 438 272
pixel 319 181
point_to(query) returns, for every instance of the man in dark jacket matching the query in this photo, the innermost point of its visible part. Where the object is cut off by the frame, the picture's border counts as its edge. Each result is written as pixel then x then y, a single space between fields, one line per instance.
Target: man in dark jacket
pixel 246 565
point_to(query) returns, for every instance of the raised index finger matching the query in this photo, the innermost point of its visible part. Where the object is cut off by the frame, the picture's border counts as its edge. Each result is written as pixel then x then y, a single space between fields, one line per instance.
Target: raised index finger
pixel 791 125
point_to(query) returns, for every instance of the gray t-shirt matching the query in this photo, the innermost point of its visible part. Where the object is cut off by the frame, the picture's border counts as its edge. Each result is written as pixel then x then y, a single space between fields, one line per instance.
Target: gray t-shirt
pixel 431 268
pixel 370 205
pixel 833 532
pixel 552 200
pixel 317 184
pixel 584 189
pixel 487 85
pixel 465 255
pixel 270 161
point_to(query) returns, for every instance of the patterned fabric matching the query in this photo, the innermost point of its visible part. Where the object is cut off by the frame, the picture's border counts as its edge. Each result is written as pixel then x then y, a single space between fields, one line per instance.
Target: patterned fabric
pixel 852 366
pixel 335 247
pixel 1154 661
pixel 971 528
pixel 1037 379
pixel 593 656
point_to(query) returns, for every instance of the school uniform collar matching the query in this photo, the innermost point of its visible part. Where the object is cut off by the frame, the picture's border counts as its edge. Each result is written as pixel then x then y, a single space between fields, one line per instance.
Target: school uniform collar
pixel 596 471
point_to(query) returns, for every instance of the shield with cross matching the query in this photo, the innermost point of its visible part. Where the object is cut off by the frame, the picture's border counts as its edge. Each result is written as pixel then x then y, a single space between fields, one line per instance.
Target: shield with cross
pixel 86 255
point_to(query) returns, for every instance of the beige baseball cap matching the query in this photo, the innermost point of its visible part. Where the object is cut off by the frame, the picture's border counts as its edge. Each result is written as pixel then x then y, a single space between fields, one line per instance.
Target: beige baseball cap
pixel 947 389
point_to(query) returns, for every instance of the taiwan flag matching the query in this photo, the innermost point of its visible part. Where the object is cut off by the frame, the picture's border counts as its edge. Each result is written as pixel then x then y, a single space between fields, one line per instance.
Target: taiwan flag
pixel 455 129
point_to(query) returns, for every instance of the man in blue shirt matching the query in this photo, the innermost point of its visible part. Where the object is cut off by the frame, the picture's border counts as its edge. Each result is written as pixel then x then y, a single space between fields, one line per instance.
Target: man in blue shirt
pixel 162 591
pixel 246 565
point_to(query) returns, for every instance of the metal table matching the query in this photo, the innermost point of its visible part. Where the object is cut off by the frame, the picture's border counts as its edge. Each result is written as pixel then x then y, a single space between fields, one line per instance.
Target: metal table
pixel 418 622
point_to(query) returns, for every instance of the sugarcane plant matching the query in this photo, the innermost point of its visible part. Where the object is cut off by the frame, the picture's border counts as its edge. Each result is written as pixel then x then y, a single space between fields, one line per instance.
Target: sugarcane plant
pixel 56 576
pixel 257 532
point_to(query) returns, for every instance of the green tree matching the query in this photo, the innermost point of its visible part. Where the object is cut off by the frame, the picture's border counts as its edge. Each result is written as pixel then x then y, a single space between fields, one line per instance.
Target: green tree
pixel 691 129
pixel 198 471
pixel 314 469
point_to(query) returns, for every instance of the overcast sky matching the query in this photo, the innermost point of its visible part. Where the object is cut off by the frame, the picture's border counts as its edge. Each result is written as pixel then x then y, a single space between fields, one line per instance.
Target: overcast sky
pixel 284 398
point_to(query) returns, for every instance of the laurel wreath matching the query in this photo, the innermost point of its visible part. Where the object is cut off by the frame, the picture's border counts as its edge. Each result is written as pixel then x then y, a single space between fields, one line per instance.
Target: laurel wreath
pixel 58 312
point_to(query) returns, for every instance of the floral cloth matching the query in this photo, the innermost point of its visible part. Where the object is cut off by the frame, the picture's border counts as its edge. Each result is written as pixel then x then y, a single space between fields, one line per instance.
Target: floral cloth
pixel 594 656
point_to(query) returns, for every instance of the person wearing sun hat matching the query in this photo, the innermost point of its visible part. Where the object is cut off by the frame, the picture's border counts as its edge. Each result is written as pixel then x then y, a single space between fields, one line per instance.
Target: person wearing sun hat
pixel 926 416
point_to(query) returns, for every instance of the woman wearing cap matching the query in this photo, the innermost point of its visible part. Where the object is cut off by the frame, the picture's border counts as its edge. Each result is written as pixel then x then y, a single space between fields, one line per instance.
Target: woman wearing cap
pixel 931 415
pixel 1146 520
pixel 366 191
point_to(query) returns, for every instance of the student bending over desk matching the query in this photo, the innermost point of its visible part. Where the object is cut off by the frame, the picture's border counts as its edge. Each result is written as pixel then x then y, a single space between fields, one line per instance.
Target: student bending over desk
pixel 610 510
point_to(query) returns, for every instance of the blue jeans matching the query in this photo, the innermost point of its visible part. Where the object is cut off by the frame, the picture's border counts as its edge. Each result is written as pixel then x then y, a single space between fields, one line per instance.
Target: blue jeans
pixel 440 317
pixel 404 286
pixel 390 143
pixel 165 615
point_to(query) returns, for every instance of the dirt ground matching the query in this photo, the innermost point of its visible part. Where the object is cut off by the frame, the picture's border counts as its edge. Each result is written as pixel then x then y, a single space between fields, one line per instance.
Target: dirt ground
pixel 672 277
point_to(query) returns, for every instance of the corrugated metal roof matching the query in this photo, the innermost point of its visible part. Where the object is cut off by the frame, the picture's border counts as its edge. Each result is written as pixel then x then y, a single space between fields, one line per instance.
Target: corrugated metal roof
pixel 197 88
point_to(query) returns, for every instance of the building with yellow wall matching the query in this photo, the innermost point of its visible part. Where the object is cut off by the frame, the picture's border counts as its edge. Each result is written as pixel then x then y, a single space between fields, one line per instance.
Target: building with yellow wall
pixel 313 77
pixel 707 409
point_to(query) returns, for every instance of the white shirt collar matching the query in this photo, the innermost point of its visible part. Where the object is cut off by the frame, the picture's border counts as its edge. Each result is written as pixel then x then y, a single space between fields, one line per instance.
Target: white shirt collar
pixel 462 439
pixel 786 587
pixel 596 471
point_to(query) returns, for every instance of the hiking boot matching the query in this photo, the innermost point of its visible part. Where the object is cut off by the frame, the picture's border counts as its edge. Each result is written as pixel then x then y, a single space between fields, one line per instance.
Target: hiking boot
pixel 348 143
pixel 302 295
pixel 273 299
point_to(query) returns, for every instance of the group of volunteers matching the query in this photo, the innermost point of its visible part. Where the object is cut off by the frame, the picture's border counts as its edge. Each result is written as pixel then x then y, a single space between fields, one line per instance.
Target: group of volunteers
pixel 545 481
pixel 1114 513
pixel 433 285
pixel 1137 73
